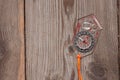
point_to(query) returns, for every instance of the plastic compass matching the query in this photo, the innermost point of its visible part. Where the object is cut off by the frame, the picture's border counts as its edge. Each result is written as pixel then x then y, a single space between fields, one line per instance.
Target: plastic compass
pixel 86 33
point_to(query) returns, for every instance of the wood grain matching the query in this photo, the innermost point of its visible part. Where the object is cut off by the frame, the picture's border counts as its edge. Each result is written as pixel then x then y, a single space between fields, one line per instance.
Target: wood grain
pixel 11 40
pixel 49 30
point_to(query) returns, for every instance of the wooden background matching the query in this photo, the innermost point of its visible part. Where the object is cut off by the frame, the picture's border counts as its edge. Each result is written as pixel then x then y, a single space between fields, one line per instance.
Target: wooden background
pixel 35 36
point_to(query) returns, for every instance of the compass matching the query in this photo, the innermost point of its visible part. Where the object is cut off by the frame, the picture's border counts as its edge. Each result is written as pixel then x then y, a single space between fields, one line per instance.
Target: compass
pixel 86 34
pixel 84 41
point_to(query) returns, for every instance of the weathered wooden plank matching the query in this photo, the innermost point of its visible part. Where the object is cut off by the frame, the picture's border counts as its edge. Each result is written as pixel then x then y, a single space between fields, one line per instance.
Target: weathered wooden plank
pixel 118 6
pixel 11 40
pixel 103 64
pixel 49 30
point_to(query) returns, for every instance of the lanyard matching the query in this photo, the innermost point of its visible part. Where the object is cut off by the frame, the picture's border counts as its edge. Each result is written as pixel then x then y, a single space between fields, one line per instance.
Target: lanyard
pixel 79 67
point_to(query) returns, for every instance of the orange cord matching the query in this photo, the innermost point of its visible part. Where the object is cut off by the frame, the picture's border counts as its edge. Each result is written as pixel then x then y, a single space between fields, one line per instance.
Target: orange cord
pixel 79 66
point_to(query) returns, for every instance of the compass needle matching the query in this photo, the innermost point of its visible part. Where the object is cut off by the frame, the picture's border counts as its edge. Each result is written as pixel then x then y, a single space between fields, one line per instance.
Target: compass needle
pixel 81 39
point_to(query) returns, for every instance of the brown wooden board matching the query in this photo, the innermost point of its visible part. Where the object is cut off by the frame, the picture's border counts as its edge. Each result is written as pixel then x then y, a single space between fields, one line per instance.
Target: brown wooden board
pixel 49 30
pixel 11 40
pixel 118 15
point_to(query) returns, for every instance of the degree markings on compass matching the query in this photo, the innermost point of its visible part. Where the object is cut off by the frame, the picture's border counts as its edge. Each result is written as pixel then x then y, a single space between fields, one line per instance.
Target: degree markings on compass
pixel 84 41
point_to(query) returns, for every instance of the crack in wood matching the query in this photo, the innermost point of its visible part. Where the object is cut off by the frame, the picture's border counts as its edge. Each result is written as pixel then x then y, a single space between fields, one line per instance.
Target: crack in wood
pixel 118 22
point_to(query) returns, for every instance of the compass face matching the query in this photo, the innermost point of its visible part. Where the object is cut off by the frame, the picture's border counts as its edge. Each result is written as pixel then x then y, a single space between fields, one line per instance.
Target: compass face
pixel 84 41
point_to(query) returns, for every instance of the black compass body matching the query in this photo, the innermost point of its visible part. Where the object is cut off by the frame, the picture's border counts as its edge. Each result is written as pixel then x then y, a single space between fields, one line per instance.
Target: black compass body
pixel 84 41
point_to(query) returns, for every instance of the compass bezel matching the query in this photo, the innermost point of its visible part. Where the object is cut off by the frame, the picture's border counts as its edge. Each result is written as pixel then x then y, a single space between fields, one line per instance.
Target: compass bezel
pixel 92 43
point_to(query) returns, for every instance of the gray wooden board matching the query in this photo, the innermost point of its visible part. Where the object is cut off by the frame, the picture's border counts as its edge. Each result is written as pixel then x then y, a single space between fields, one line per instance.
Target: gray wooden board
pixel 49 30
pixel 11 40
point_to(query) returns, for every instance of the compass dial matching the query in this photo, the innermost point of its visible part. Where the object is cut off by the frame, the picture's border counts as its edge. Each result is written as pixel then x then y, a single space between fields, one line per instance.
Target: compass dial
pixel 84 41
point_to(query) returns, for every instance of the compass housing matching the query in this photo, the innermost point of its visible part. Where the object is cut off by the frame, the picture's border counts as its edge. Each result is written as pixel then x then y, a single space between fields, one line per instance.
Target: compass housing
pixel 86 34
pixel 87 42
